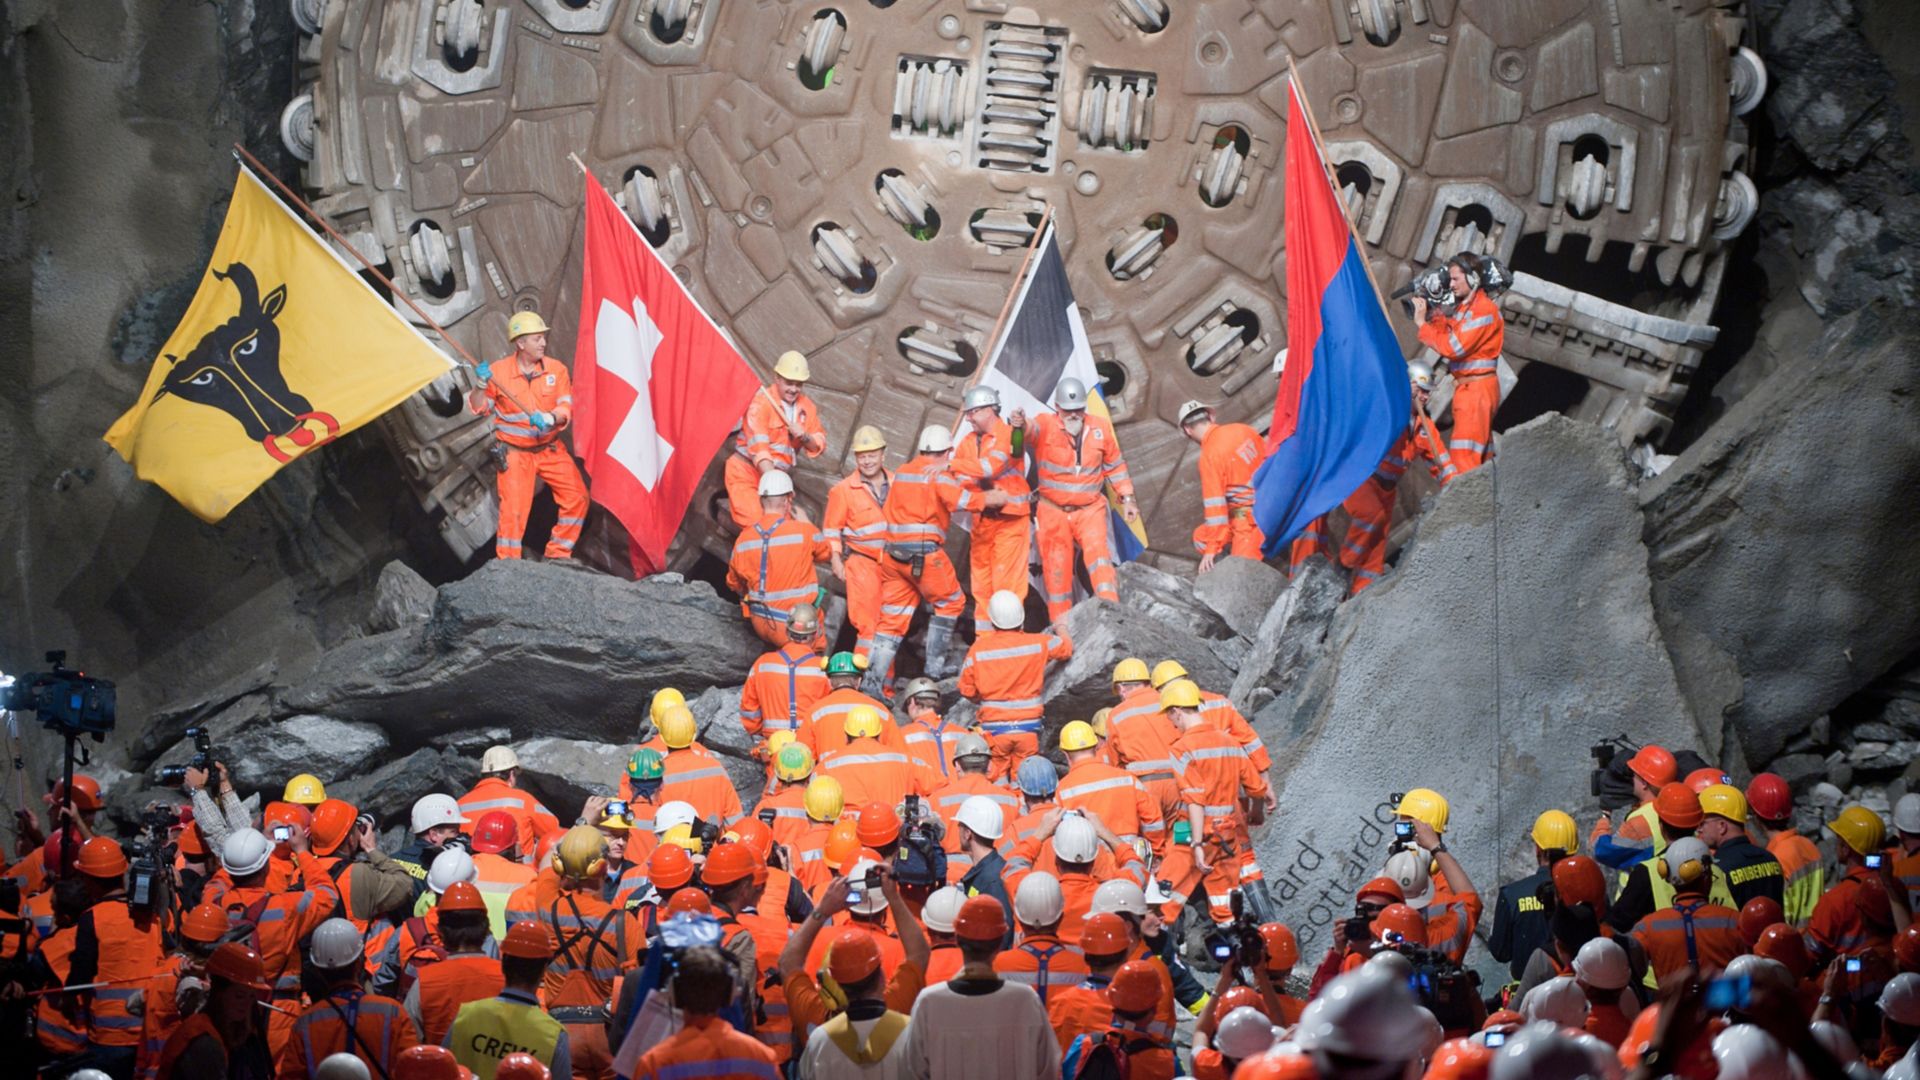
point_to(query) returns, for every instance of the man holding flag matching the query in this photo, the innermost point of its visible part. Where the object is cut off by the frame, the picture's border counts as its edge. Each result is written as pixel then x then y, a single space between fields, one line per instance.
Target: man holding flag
pixel 1077 456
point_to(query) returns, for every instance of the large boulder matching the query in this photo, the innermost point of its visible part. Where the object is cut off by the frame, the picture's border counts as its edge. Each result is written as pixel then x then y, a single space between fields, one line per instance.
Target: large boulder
pixel 541 648
pixel 400 598
pixel 1104 633
pixel 1241 591
pixel 1291 632
pixel 563 773
pixel 1783 560
pixel 1169 599
pixel 1516 630
pixel 389 791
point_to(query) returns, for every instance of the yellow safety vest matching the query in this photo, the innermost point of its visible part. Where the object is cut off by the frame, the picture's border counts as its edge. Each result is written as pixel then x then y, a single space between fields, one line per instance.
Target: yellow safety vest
pixel 486 1031
pixel 1652 819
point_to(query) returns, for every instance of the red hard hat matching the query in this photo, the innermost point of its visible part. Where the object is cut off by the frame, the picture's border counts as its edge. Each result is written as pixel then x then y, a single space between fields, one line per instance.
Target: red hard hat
pixel 193 842
pixel 754 833
pixel 1758 914
pixel 528 939
pixel 461 896
pixel 852 956
pixel 669 867
pixel 332 821
pixel 1459 1059
pixel 879 826
pixel 689 902
pixel 728 863
pixel 981 919
pixel 1783 943
pixel 1240 997
pixel 236 963
pixel 1579 880
pixel 1906 948
pixel 1770 798
pixel 86 793
pixel 1105 934
pixel 425 1063
pixel 1135 987
pixel 1277 1067
pixel 1502 1018
pixel 520 1067
pixel 1283 952
pixel 1679 806
pixel 1383 887
pixel 286 813
pixel 1695 1062
pixel 1403 920
pixel 1654 766
pixel 101 857
pixel 495 832
pixel 1702 779
pixel 204 924
pixel 54 849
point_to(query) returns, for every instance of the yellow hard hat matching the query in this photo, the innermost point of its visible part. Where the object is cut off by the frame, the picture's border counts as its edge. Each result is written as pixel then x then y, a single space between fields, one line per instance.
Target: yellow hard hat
pixel 1166 671
pixel 523 323
pixel 1078 735
pixel 616 822
pixel 677 727
pixel 867 437
pixel 1179 694
pixel 306 790
pixel 662 700
pixel 1860 828
pixel 792 366
pixel 824 799
pixel 1424 804
pixel 793 762
pixel 1724 800
pixel 1553 831
pixel 1099 722
pixel 778 741
pixel 682 836
pixel 1132 669
pixel 862 720
pixel 581 853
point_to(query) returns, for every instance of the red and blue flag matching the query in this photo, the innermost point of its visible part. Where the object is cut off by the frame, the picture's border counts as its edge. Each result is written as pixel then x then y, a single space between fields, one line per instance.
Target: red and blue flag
pixel 1344 396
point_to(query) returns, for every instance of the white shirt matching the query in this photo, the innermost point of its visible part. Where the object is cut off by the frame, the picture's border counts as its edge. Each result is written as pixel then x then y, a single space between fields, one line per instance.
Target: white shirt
pixel 1004 1035
pixel 822 1060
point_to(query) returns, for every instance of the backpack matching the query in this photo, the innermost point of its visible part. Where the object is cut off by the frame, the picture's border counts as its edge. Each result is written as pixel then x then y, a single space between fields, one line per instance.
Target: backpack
pixel 1097 1057
pixel 879 1042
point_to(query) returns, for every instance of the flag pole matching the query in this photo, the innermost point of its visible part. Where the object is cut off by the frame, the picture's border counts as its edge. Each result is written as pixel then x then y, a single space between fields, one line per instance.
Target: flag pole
pixel 1000 324
pixel 1326 167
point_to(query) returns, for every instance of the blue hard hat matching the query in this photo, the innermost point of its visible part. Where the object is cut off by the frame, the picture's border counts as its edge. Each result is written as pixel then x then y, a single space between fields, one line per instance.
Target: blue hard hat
pixel 1038 777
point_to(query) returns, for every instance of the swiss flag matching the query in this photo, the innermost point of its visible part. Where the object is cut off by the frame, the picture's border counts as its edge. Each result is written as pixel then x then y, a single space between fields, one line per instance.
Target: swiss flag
pixel 657 388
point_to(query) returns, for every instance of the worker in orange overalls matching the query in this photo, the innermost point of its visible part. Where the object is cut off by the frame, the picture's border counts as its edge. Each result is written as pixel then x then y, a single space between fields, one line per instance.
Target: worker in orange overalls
pixel 114 943
pixel 1077 456
pixel 282 918
pixel 923 496
pixel 467 974
pixel 1219 711
pixel 1313 540
pixel 159 1006
pixel 856 530
pixel 1039 958
pixel 783 805
pixel 529 399
pixel 1694 932
pixel 705 1045
pixel 1469 336
pixel 497 790
pixel 736 875
pixel 1140 737
pixel 988 459
pixel 598 943
pixel 785 682
pixel 870 771
pixel 1229 454
pixel 345 1018
pixel 929 737
pixel 781 423
pixel 772 563
pixel 824 803
pixel 694 776
pixel 823 727
pixel 1107 792
pixel 1215 775
pixel 1005 672
pixel 1370 508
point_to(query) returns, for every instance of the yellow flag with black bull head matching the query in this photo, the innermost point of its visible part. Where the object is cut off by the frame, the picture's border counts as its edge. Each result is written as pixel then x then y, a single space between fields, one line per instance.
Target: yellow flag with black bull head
pixel 283 350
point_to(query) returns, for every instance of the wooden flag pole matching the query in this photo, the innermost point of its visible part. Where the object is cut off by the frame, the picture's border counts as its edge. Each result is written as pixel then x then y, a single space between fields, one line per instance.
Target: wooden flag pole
pixel 1000 324
pixel 1326 167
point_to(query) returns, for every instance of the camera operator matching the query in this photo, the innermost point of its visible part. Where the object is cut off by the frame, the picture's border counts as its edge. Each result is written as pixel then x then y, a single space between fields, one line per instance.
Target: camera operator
pixel 117 944
pixel 372 885
pixel 1353 939
pixel 1469 334
pixel 1151 941
pixel 217 820
pixel 436 821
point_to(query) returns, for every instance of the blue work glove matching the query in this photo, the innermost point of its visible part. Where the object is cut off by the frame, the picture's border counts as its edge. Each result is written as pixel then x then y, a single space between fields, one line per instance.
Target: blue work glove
pixel 543 422
pixel 484 372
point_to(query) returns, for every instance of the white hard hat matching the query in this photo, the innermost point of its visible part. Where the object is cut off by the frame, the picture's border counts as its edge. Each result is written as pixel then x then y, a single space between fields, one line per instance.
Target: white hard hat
pixel 451 865
pixel 983 816
pixel 1907 1068
pixel 1558 1000
pixel 88 1074
pixel 1761 970
pixel 1187 410
pixel 673 812
pixel 1688 851
pixel 1906 813
pixel 1435 1034
pixel 499 759
pixel 1602 964
pixel 1835 1040
pixel 336 944
pixel 245 852
pixel 435 809
pixel 1118 895
pixel 1006 611
pixel 775 482
pixel 1541 1051
pixel 934 439
pixel 1408 869
pixel 1900 1001
pixel 1606 1058
pixel 1070 394
pixel 1746 1052
pixel 942 908
pixel 1420 374
pixel 1038 901
pixel 1368 1013
pixel 1244 1033
pixel 872 901
pixel 1393 962
pixel 1075 841
pixel 341 1066
pixel 979 396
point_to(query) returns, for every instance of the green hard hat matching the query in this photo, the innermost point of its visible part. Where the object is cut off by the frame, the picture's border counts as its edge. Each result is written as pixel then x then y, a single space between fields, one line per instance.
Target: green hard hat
pixel 644 765
pixel 843 663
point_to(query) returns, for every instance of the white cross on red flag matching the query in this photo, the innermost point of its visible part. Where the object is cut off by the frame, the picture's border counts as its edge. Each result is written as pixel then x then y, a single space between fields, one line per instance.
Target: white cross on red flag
pixel 657 387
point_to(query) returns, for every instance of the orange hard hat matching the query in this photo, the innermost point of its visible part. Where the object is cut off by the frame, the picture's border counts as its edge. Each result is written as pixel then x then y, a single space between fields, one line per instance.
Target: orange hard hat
pixel 101 857
pixel 495 832
pixel 852 956
pixel 1503 1018
pixel 1240 997
pixel 1459 1059
pixel 332 820
pixel 843 843
pixel 754 833
pixel 192 842
pixel 1135 987
pixel 528 939
pixel 879 826
pixel 86 793
pixel 669 867
pixel 1578 879
pixel 1702 779
pixel 981 918
pixel 689 902
pixel 1277 1067
pixel 238 964
pixel 1654 766
pixel 1678 806
pixel 1402 920
pixel 1105 934
pixel 425 1062
pixel 1384 888
pixel 1783 943
pixel 1770 797
pixel 461 896
pixel 1758 914
pixel 1906 948
pixel 205 924
pixel 1693 1063
pixel 286 813
pixel 729 863
pixel 521 1066
pixel 1283 952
